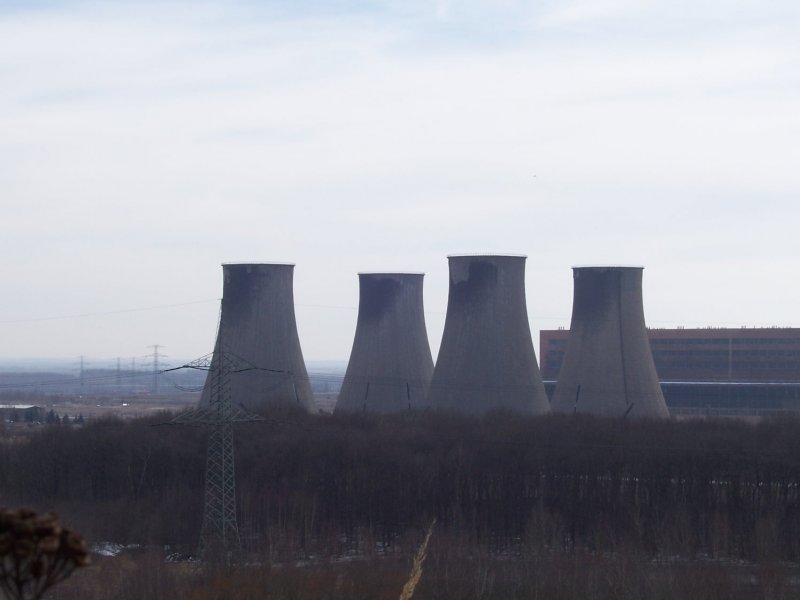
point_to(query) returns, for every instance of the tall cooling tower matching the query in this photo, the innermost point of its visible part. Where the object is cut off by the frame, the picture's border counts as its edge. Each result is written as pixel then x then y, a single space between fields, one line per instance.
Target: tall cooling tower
pixel 486 360
pixel 608 368
pixel 390 365
pixel 257 327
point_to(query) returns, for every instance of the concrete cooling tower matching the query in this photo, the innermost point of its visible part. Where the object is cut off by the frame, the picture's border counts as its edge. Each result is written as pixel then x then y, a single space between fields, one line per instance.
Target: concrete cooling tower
pixel 608 367
pixel 390 364
pixel 486 361
pixel 257 327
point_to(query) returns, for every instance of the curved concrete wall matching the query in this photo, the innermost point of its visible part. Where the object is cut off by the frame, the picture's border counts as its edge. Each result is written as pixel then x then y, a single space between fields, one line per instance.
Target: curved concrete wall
pixel 486 361
pixel 608 368
pixel 257 324
pixel 390 364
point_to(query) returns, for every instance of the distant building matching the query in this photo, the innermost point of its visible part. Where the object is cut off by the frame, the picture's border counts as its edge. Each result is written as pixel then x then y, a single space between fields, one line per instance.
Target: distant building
pixel 723 369
pixel 743 355
pixel 27 413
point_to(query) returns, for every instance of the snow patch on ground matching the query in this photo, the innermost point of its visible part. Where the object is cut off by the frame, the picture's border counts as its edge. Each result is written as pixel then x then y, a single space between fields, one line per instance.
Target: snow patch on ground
pixel 111 548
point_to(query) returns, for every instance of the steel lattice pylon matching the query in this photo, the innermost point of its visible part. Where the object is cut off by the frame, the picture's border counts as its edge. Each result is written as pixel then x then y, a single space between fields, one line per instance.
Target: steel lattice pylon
pixel 219 535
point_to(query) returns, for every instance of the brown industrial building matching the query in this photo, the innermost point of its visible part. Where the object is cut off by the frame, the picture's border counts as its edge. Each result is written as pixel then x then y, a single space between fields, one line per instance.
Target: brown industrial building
pixel 713 370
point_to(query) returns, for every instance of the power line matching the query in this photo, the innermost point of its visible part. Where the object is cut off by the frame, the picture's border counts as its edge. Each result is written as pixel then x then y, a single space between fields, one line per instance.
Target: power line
pixel 533 317
pixel 106 312
pixel 111 376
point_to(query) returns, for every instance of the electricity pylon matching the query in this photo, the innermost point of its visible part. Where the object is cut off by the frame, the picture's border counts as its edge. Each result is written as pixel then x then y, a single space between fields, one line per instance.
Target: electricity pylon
pixel 219 535
pixel 156 372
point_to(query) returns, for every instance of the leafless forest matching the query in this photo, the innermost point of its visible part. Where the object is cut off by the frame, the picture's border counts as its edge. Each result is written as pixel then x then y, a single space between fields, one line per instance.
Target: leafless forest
pixel 335 507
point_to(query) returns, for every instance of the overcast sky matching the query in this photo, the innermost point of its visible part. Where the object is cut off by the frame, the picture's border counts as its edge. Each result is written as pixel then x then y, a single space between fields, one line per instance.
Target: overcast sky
pixel 142 144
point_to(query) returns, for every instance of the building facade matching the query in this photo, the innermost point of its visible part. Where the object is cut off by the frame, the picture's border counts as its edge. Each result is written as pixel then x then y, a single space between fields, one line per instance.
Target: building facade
pixel 711 370
pixel 711 354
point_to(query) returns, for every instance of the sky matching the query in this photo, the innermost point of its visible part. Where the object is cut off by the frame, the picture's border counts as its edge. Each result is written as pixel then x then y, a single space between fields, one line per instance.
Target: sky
pixel 144 143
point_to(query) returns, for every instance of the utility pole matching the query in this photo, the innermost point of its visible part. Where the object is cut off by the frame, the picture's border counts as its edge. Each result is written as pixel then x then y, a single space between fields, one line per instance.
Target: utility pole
pixel 119 375
pixel 155 356
pixel 219 535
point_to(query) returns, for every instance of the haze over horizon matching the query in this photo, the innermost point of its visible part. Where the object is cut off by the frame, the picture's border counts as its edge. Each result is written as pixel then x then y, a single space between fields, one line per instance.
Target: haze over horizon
pixel 145 143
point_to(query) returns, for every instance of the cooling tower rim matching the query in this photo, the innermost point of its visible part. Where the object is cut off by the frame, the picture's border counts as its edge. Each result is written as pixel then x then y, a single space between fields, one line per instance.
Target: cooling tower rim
pixel 258 264
pixel 390 273
pixel 487 255
pixel 607 267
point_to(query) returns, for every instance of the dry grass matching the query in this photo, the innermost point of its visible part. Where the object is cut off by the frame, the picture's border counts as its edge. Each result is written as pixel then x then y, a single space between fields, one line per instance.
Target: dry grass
pixel 452 569
pixel 416 568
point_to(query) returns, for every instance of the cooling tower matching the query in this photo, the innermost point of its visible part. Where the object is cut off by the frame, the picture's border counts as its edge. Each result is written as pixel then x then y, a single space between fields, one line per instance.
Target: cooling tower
pixel 390 365
pixel 257 329
pixel 486 360
pixel 608 366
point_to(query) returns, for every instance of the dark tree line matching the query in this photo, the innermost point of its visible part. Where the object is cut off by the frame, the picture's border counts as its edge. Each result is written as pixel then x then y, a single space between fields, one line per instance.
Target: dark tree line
pixel 510 484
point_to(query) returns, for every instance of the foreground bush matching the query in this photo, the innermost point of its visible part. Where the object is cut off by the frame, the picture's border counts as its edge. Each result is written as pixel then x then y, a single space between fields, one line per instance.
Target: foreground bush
pixel 36 553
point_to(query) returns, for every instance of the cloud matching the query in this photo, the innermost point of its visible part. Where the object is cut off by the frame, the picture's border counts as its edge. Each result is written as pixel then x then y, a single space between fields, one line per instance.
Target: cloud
pixel 590 10
pixel 141 141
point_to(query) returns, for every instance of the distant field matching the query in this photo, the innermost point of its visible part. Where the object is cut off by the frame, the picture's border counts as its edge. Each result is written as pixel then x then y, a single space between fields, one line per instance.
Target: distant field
pixel 125 407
